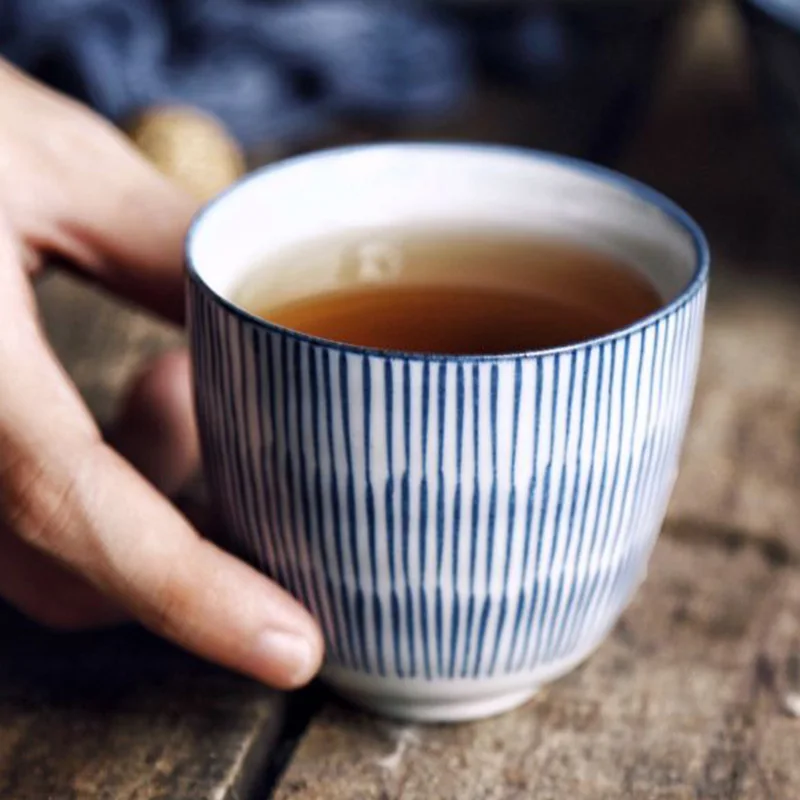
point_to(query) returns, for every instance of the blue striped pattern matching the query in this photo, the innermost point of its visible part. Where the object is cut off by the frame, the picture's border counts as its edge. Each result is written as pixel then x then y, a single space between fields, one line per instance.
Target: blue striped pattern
pixel 446 518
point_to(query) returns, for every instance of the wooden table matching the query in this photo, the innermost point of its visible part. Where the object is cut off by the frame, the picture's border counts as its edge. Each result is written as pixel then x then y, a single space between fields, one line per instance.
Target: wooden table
pixel 697 692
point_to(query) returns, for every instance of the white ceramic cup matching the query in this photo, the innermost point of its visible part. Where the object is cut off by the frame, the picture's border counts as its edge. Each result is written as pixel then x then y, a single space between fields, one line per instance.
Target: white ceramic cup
pixel 465 529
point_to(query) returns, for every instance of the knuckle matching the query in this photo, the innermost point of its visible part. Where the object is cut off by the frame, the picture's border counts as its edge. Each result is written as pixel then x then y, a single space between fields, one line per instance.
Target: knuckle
pixel 36 500
pixel 171 611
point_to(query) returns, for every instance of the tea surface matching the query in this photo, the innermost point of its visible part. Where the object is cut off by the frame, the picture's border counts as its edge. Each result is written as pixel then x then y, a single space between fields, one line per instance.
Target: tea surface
pixel 448 292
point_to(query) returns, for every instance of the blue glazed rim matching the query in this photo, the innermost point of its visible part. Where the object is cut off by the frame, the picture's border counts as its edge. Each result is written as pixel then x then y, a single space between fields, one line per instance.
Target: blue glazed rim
pixel 779 11
pixel 633 187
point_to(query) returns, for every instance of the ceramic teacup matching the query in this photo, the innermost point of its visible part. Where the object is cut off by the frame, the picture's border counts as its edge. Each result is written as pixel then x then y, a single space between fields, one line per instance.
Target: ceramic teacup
pixel 465 529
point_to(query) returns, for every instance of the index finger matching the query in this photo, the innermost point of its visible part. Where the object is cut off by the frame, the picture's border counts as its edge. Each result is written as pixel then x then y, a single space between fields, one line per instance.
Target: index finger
pixel 65 492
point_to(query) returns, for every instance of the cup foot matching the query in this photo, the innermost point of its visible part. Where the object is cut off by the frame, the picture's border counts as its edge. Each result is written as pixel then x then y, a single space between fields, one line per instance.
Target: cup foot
pixel 449 700
pixel 442 711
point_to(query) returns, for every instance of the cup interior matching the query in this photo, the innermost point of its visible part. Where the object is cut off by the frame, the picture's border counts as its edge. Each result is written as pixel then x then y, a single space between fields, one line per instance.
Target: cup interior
pixel 437 186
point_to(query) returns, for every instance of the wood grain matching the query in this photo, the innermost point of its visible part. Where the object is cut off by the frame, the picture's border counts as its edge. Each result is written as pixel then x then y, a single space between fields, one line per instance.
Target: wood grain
pixel 121 716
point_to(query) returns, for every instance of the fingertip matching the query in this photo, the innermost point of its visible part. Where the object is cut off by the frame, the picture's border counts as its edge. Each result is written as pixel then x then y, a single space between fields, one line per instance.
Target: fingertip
pixel 289 649
pixel 287 659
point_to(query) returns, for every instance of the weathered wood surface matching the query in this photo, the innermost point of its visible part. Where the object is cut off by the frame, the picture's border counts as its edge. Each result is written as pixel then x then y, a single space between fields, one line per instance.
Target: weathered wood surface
pixel 120 716
pixel 692 696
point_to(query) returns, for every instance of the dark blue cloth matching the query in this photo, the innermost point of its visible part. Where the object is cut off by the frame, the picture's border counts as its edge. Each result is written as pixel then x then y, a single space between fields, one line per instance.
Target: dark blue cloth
pixel 279 70
pixel 288 69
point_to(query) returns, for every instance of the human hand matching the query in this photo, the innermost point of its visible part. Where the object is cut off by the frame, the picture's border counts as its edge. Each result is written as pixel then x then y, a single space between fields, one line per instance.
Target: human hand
pixel 85 539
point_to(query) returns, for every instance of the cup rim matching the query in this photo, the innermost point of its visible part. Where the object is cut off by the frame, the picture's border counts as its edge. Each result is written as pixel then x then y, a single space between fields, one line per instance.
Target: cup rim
pixel 610 176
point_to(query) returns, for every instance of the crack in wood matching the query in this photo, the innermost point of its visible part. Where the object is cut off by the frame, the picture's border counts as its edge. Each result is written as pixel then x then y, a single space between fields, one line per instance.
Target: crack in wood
pixel 693 532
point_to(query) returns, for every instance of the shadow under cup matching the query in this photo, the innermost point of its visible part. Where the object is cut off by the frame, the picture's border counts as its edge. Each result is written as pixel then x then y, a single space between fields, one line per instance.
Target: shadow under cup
pixel 463 528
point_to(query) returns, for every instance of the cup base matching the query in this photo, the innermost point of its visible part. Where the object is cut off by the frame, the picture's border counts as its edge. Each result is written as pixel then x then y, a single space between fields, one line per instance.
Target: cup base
pixel 443 711
pixel 443 701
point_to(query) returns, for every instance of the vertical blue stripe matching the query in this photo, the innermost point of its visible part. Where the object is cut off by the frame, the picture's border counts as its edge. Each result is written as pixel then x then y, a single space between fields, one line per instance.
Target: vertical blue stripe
pixel 606 537
pixel 440 522
pixel 667 386
pixel 618 536
pixel 225 496
pixel 423 520
pixel 573 528
pixel 263 388
pixel 200 335
pixel 474 521
pixel 291 531
pixel 528 579
pixel 624 575
pixel 546 622
pixel 583 603
pixel 512 513
pixel 405 514
pixel 579 579
pixel 227 434
pixel 251 484
pixel 336 633
pixel 535 633
pixel 303 517
pixel 490 525
pixel 388 393
pixel 286 524
pixel 327 367
pixel 208 420
pixel 455 576
pixel 366 378
pixel 319 564
pixel 238 443
pixel 352 522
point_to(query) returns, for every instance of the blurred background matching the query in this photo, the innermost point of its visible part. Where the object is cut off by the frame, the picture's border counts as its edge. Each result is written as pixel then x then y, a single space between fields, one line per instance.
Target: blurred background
pixel 700 98
pixel 576 76
pixel 287 74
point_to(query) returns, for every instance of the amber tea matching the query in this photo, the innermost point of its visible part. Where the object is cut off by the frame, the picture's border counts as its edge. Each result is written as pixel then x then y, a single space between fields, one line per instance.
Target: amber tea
pixel 447 292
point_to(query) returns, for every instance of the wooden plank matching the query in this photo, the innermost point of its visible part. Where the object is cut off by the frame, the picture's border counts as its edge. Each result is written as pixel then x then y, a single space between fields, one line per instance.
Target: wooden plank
pixel 120 714
pixel 690 697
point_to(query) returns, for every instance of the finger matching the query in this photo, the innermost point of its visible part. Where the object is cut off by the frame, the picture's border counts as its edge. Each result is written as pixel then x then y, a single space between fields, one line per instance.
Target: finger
pixel 128 231
pixel 77 187
pixel 126 226
pixel 66 493
pixel 156 434
pixel 156 429
pixel 109 524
